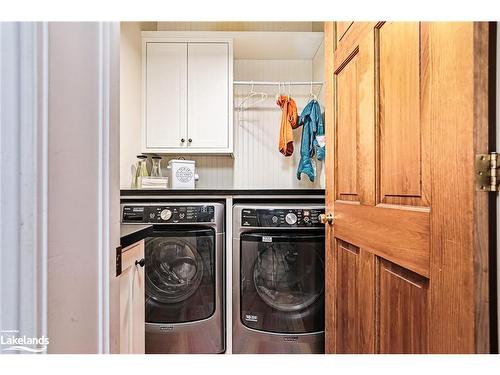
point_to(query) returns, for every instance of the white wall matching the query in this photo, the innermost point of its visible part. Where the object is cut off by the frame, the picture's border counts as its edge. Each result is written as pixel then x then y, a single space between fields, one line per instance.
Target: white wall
pixel 257 162
pixel 130 96
pixel 83 187
pixel 73 155
pixel 318 70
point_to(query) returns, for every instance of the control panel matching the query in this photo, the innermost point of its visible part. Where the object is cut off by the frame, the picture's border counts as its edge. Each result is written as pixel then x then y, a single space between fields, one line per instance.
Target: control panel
pixel 162 214
pixel 282 217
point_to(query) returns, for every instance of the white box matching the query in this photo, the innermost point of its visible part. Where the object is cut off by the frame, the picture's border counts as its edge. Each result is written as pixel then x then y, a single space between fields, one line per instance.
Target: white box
pixel 150 182
pixel 182 174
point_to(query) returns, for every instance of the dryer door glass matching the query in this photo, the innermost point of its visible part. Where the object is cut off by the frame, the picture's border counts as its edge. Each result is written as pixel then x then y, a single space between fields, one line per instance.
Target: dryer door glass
pixel 180 269
pixel 282 281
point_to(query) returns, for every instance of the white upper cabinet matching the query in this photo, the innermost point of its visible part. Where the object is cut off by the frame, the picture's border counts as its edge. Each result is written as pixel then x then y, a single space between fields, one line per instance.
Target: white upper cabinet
pixel 187 94
pixel 208 93
pixel 166 95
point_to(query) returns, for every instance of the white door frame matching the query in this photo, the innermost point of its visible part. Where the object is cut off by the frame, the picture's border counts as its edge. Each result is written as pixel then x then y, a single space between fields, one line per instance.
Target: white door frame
pixel 23 179
pixel 33 244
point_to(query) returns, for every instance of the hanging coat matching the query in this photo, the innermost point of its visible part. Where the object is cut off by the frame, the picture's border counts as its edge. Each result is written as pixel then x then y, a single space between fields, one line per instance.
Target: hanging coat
pixel 288 122
pixel 311 121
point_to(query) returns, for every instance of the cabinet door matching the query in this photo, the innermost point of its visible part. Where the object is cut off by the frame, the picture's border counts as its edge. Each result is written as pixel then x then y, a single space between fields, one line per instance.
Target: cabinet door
pixel 208 95
pixel 132 315
pixel 166 95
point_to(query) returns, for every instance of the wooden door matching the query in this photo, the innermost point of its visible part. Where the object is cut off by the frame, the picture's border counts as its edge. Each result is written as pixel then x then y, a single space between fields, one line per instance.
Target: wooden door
pixel 341 28
pixel 132 313
pixel 407 251
pixel 208 95
pixel 165 96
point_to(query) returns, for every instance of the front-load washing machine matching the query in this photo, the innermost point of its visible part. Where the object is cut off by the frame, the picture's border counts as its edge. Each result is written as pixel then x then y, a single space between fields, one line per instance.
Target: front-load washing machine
pixel 278 279
pixel 183 275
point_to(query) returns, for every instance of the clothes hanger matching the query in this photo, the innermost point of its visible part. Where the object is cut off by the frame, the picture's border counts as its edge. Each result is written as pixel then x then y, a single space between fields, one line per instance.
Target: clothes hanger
pixel 250 95
pixel 312 96
pixel 278 94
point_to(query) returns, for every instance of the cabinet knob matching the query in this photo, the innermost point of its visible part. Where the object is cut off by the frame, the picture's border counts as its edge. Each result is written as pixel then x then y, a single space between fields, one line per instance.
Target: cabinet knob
pixel 140 262
pixel 183 140
pixel 190 140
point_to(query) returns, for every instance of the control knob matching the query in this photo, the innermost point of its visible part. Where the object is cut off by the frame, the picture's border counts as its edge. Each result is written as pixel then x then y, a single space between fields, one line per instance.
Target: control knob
pixel 165 214
pixel 291 218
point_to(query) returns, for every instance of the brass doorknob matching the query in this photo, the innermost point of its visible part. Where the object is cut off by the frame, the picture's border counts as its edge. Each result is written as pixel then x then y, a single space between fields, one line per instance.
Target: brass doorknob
pixel 326 218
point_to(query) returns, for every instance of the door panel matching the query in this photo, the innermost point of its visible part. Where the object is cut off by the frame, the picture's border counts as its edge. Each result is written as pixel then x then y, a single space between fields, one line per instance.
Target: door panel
pixel 132 332
pixel 400 120
pixel 347 130
pixel 356 313
pixel 342 27
pixel 355 127
pixel 403 310
pixel 404 274
pixel 208 95
pixel 401 236
pixel 166 95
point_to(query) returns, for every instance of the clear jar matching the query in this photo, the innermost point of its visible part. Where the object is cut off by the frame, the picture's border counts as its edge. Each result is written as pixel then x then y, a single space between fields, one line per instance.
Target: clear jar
pixel 140 171
pixel 155 169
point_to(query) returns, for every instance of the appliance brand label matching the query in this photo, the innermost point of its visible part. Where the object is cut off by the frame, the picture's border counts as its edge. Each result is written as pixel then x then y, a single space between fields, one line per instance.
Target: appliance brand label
pixel 267 239
pixel 251 318
pixel 167 328
pixel 291 338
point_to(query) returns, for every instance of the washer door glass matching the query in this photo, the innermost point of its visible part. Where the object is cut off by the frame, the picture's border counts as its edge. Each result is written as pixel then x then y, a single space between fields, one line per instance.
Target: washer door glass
pixel 282 282
pixel 179 270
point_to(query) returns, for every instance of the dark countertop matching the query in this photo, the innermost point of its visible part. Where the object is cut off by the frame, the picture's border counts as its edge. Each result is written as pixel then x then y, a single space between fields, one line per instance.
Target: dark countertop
pixel 245 192
pixel 132 233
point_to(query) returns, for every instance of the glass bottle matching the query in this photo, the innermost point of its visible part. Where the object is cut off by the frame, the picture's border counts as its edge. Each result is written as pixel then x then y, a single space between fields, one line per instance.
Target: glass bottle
pixel 140 171
pixel 155 169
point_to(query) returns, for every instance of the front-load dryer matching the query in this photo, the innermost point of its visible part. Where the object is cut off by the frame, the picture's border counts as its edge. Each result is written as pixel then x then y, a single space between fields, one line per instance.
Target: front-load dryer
pixel 183 276
pixel 278 279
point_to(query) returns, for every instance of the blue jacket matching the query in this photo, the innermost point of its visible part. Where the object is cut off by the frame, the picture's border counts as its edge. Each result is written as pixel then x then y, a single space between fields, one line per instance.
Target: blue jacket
pixel 311 121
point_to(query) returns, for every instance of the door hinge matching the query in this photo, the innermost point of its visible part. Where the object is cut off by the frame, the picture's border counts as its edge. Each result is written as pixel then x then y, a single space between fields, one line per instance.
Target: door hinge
pixel 486 170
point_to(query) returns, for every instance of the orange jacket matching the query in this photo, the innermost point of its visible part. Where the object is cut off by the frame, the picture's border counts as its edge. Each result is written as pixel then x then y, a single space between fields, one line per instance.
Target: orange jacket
pixel 288 122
